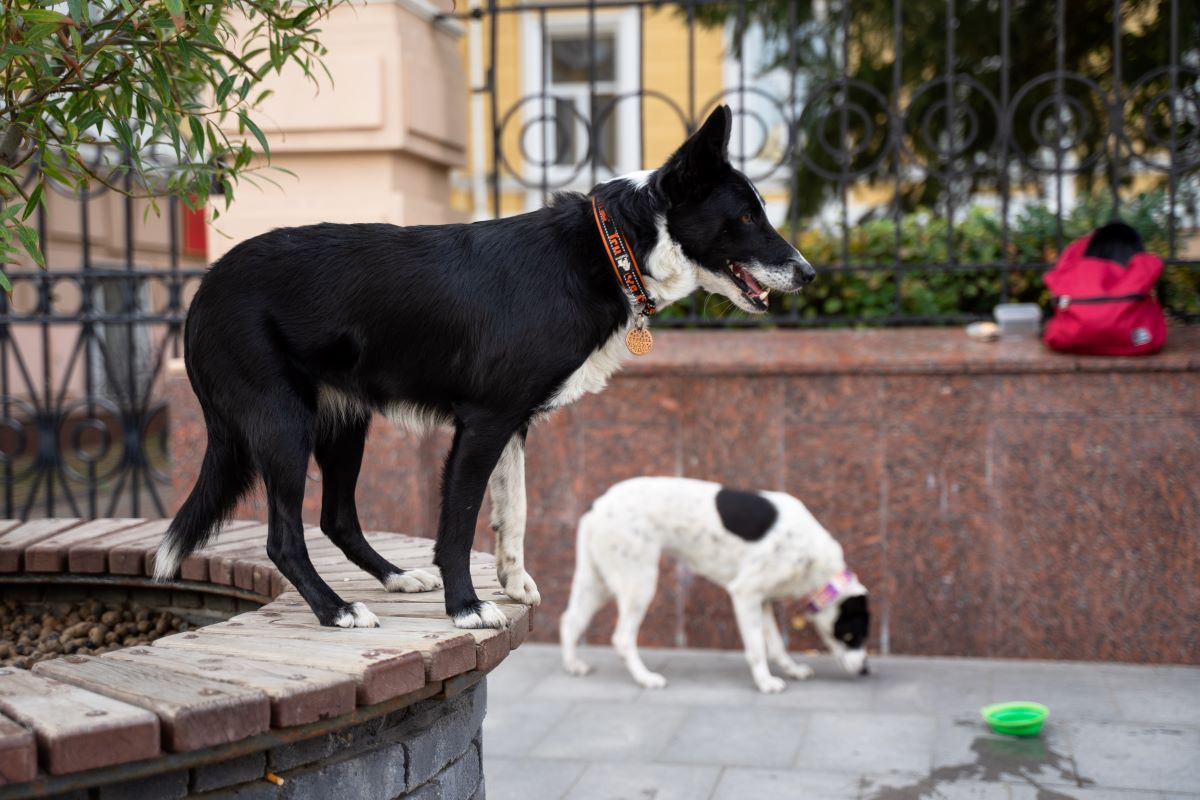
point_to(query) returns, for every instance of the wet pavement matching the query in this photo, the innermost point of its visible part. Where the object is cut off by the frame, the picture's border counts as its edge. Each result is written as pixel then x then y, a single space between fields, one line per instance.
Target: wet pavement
pixel 909 730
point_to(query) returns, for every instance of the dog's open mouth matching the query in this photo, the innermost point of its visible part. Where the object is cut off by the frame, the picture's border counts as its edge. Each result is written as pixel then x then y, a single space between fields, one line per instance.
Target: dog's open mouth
pixel 749 287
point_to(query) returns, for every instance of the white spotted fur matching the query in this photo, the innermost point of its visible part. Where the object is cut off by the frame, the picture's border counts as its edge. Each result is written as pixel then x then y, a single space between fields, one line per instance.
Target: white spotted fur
pixel 617 555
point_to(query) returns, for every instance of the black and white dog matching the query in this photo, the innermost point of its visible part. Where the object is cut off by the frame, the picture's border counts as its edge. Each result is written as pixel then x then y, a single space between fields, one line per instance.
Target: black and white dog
pixel 296 337
pixel 759 546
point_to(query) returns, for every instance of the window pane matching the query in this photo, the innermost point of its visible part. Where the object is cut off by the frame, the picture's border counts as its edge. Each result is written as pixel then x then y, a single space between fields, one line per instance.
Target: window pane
pixel 607 139
pixel 562 143
pixel 569 58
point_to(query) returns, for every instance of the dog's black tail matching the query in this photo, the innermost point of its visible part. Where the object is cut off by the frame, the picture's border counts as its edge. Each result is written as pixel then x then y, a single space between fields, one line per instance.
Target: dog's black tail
pixel 225 475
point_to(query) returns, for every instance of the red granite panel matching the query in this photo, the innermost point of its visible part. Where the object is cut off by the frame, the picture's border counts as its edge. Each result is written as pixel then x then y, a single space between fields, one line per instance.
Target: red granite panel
pixel 942 600
pixel 833 398
pixel 1098 535
pixel 937 579
pixel 1098 394
pixel 708 615
pixel 837 470
pixel 733 431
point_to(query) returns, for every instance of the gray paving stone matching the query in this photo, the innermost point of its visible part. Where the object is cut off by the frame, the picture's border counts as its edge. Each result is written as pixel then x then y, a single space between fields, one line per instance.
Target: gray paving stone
pixel 611 732
pixel 750 737
pixel 863 742
pixel 1161 696
pixel 1068 691
pixel 741 783
pixel 529 778
pixel 964 745
pixel 1127 756
pixel 896 787
pixel 512 727
pixel 1027 792
pixel 603 781
pixel 929 687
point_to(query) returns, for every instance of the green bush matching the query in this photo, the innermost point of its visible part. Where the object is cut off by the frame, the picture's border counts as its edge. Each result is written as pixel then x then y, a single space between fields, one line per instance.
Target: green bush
pixel 857 280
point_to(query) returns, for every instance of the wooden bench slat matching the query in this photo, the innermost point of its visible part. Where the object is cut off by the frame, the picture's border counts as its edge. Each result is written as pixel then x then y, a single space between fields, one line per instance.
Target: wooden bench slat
pixel 444 653
pixel 491 646
pixel 91 556
pixel 299 694
pixel 195 566
pixel 150 553
pixel 50 554
pixel 428 605
pixel 76 729
pixel 193 712
pixel 18 753
pixel 379 673
pixel 14 541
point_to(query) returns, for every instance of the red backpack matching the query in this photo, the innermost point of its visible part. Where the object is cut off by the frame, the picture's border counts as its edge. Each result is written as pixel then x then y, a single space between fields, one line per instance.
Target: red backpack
pixel 1102 307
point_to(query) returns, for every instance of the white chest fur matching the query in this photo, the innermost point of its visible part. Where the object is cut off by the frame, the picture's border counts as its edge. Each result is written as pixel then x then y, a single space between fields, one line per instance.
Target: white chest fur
pixel 593 375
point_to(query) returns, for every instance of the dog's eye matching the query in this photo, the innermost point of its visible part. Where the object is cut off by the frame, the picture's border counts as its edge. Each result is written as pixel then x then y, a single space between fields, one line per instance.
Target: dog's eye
pixel 746 218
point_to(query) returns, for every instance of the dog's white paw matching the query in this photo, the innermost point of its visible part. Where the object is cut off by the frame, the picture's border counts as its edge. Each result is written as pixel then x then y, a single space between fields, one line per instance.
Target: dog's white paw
pixel 520 587
pixel 577 667
pixel 356 616
pixel 485 615
pixel 799 672
pixel 412 580
pixel 771 685
pixel 651 680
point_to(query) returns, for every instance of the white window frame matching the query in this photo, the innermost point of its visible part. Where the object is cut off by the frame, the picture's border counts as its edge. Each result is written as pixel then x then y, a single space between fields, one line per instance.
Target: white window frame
pixel 623 26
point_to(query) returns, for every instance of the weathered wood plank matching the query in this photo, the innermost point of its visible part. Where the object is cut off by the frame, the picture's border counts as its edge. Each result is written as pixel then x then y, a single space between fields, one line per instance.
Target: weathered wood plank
pixel 91 556
pixel 379 673
pixel 50 554
pixel 77 729
pixel 424 604
pixel 299 694
pixel 193 712
pixel 444 653
pixel 491 646
pixel 252 539
pixel 195 566
pixel 14 541
pixel 18 753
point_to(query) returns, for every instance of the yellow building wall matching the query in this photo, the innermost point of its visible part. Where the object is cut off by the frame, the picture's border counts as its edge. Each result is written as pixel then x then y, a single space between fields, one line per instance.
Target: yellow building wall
pixel 664 48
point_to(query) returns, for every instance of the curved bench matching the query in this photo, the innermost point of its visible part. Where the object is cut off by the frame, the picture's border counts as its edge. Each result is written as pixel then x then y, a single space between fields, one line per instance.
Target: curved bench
pixel 266 703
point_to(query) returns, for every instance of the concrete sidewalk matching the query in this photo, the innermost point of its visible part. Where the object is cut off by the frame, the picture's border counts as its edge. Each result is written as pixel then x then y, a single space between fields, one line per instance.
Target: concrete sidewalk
pixel 910 730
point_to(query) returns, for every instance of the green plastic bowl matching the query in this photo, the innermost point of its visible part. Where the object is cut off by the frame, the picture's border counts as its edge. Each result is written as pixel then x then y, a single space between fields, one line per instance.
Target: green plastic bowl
pixel 1016 719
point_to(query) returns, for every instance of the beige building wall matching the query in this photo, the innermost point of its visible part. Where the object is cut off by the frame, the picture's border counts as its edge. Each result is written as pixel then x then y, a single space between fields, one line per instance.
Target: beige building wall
pixel 375 146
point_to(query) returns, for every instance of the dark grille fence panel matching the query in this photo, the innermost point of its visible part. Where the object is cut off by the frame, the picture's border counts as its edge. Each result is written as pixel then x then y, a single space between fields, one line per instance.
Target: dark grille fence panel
pixel 83 347
pixel 997 132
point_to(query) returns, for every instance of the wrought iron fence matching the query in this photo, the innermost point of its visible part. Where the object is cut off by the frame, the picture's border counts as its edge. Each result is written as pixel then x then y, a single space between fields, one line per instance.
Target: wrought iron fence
pixel 930 159
pixel 83 345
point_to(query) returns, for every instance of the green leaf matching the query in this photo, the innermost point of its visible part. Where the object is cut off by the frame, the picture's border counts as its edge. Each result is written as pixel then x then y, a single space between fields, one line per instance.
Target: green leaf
pixel 29 239
pixel 175 8
pixel 5 283
pixel 35 197
pixel 258 134
pixel 76 9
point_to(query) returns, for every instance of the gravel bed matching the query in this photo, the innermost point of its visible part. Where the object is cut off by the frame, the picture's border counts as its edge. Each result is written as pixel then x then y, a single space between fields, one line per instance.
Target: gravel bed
pixel 29 634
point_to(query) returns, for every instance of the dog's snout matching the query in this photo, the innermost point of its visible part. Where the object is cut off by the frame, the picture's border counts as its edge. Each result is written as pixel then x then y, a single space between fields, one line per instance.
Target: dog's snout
pixel 803 271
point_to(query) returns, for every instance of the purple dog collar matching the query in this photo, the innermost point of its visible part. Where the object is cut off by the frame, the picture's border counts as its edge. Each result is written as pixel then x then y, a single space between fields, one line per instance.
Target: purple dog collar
pixel 821 599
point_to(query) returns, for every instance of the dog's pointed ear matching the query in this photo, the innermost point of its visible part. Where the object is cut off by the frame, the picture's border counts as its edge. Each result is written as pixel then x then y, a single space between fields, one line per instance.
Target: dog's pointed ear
pixel 692 170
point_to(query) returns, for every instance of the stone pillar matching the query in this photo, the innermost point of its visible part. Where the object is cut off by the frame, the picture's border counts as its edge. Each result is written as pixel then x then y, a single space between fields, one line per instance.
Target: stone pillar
pixel 375 146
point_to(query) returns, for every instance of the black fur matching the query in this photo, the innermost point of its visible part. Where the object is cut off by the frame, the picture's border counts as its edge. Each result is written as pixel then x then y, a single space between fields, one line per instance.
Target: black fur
pixel 1115 241
pixel 476 325
pixel 853 623
pixel 746 514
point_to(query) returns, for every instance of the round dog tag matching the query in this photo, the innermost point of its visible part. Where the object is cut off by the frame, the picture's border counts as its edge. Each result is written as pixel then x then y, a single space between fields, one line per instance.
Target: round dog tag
pixel 639 341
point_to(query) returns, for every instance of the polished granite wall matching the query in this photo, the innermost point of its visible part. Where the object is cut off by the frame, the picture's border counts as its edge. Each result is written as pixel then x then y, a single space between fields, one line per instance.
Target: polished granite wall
pixel 997 499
